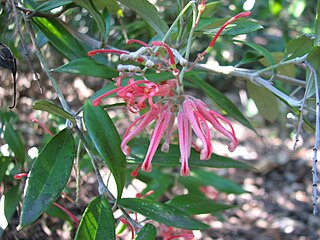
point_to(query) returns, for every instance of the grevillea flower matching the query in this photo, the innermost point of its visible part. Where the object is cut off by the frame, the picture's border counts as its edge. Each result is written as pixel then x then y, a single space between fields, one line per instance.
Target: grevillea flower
pixel 168 106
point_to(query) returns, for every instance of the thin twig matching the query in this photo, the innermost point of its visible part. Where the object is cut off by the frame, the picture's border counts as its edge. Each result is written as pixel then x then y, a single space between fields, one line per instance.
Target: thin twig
pixel 14 9
pixel 317 140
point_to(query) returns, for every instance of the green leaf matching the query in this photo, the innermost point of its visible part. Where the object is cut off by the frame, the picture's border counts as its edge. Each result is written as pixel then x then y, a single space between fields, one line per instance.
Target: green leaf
pixel 107 141
pixel 56 212
pixel 197 205
pixel 48 176
pixel 13 139
pixel 148 232
pixel 139 149
pixel 159 185
pixel 4 162
pixel 220 183
pixel 8 204
pixel 60 37
pixel 90 6
pixel 211 8
pixel 314 60
pixel 162 213
pixel 298 47
pixel 97 222
pixel 149 13
pixel 265 101
pixel 52 108
pixel 111 5
pixel 222 101
pixel 87 67
pixel 259 49
pixel 52 4
pixel 241 26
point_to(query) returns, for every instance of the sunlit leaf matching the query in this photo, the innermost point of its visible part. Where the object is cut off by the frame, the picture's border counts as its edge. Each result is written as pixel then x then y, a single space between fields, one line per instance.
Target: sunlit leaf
pixel 60 37
pixel 97 221
pixel 265 101
pixel 162 213
pixel 241 26
pixel 52 108
pixel 149 13
pixel 298 47
pixel 48 176
pixel 107 141
pixel 87 67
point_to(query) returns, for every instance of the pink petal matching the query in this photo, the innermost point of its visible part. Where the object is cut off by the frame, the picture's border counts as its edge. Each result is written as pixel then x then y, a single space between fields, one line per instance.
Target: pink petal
pixel 156 136
pixel 140 123
pixel 214 117
pixel 185 136
pixel 195 119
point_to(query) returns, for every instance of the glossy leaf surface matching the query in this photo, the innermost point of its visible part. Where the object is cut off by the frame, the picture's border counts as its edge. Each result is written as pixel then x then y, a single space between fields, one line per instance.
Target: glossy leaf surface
pixel 52 108
pixel 87 67
pixel 147 232
pixel 107 141
pixel 162 213
pixel 97 222
pixel 194 204
pixel 48 176
pixel 60 37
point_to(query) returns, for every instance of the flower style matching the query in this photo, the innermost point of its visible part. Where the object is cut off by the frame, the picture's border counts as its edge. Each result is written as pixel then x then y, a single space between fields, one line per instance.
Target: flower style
pixel 168 106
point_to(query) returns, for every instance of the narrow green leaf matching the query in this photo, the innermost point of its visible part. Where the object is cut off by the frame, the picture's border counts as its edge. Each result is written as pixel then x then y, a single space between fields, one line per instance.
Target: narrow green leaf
pixel 4 162
pixel 60 37
pixel 148 232
pixel 8 205
pixel 265 101
pixel 139 149
pixel 194 204
pixel 52 4
pixel 241 26
pixel 149 13
pixel 159 185
pixel 298 47
pixel 56 212
pixel 90 6
pixel 87 67
pixel 259 49
pixel 13 139
pixel 48 176
pixel 220 183
pixel 97 222
pixel 107 141
pixel 111 5
pixel 162 213
pixel 52 108
pixel 222 101
pixel 211 8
